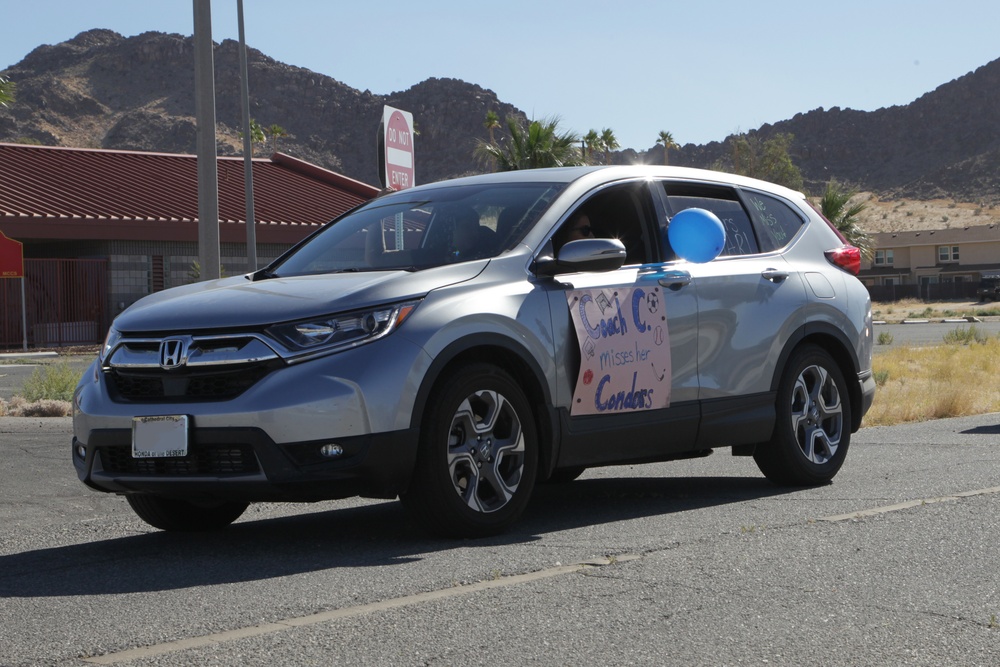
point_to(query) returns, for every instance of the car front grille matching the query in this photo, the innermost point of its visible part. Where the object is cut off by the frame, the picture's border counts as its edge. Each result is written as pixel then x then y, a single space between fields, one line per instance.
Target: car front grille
pixel 187 368
pixel 203 385
pixel 213 459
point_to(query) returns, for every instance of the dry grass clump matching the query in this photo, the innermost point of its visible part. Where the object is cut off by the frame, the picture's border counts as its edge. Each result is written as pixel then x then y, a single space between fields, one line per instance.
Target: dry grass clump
pixel 923 383
pixel 47 393
pixel 21 407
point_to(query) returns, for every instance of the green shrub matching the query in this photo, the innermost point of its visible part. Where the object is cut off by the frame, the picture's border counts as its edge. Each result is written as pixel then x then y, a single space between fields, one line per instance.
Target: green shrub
pixel 885 338
pixel 881 377
pixel 965 336
pixel 55 382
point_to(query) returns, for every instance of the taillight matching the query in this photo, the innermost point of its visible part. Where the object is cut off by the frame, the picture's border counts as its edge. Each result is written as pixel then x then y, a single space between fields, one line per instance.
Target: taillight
pixel 845 257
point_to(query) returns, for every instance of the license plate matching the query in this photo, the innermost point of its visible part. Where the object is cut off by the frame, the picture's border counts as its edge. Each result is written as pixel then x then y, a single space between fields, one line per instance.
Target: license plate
pixel 161 436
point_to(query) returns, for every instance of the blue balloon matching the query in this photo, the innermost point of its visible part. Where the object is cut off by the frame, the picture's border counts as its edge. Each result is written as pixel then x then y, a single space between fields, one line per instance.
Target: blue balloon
pixel 696 235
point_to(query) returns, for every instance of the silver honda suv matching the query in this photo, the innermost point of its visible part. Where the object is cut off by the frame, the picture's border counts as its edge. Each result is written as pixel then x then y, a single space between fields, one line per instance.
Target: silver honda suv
pixel 454 344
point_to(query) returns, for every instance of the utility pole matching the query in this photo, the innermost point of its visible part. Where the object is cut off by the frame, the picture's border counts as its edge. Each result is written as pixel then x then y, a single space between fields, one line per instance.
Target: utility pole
pixel 251 218
pixel 208 168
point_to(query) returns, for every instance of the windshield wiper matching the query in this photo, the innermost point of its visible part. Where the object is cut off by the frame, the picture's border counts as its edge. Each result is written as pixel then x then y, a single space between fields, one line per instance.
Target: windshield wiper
pixel 262 274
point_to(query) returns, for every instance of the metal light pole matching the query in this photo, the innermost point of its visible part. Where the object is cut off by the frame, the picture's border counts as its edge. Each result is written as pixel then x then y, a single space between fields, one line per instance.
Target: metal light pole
pixel 251 218
pixel 208 168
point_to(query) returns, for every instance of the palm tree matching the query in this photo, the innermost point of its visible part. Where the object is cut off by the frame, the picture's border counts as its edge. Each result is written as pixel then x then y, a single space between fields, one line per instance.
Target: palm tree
pixel 491 123
pixel 836 207
pixel 668 142
pixel 591 143
pixel 275 132
pixel 256 134
pixel 7 88
pixel 539 144
pixel 609 143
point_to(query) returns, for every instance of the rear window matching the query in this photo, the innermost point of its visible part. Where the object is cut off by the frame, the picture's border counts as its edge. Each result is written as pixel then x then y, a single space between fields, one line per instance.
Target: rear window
pixel 778 222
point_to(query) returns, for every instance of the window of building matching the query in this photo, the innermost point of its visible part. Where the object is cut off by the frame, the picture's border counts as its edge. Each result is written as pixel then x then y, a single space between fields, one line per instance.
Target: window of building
pixel 947 253
pixel 157 280
pixel 883 257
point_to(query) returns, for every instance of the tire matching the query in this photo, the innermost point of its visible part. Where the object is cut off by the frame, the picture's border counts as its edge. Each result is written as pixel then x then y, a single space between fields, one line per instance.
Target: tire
pixel 176 515
pixel 477 458
pixel 812 431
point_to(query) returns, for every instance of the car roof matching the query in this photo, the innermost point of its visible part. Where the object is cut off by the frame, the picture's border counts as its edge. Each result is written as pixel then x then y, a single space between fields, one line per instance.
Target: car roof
pixel 598 174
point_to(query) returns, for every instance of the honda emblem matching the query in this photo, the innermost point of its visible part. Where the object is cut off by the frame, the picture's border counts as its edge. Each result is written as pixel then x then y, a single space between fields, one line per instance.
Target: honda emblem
pixel 173 353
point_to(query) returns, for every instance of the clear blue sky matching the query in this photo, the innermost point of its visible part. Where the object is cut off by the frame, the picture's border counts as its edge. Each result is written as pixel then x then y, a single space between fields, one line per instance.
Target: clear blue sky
pixel 700 70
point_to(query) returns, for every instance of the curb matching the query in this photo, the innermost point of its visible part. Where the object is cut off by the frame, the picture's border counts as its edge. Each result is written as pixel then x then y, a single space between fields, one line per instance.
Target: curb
pixel 949 320
pixel 28 355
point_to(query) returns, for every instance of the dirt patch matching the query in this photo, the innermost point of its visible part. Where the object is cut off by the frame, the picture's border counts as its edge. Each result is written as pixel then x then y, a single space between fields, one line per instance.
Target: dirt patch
pixel 903 215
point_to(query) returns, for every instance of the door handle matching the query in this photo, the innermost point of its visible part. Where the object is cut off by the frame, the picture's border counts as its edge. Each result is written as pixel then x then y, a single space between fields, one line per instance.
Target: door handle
pixel 774 275
pixel 674 279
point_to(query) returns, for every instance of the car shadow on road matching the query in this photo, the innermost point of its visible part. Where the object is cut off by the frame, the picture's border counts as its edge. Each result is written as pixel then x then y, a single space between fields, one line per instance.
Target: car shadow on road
pixel 989 429
pixel 373 535
pixel 588 502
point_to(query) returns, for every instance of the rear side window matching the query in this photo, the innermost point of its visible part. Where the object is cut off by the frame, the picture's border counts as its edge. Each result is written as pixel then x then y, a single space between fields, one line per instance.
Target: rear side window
pixel 740 239
pixel 778 222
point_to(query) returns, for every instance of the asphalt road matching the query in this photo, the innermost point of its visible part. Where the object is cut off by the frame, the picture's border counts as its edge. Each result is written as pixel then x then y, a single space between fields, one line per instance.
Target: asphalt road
pixel 929 333
pixel 687 563
pixel 15 369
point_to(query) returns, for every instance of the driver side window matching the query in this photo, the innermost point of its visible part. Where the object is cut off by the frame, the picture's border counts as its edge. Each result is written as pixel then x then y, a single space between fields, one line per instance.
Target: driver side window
pixel 623 212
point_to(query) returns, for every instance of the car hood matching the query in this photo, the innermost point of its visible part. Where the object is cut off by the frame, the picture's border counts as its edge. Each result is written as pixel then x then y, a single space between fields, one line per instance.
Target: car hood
pixel 240 302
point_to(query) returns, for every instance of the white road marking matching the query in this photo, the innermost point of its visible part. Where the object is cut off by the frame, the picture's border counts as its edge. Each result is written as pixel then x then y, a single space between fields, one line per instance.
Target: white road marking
pixel 347 612
pixel 876 511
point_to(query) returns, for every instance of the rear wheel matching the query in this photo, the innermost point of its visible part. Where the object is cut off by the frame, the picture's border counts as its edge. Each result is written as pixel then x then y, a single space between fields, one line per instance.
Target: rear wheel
pixel 812 431
pixel 176 515
pixel 478 455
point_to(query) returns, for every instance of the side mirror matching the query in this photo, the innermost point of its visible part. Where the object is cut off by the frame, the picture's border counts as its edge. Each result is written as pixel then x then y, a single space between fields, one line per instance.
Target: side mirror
pixel 594 255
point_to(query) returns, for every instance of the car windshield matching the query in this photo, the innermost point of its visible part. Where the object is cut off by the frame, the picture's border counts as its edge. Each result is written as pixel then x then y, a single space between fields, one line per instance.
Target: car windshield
pixel 417 230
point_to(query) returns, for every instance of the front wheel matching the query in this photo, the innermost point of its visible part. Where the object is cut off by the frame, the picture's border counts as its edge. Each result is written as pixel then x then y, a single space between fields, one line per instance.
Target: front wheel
pixel 176 515
pixel 478 455
pixel 813 426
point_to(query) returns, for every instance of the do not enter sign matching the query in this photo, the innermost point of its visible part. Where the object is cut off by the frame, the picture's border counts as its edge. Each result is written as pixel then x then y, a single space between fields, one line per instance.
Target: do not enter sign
pixel 11 258
pixel 398 141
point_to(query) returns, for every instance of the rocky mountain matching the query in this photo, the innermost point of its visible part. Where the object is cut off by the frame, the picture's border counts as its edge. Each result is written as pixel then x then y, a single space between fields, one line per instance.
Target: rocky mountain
pixel 946 144
pixel 103 90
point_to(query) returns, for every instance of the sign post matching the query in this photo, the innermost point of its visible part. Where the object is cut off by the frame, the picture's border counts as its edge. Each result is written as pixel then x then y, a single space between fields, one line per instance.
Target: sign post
pixel 12 266
pixel 396 149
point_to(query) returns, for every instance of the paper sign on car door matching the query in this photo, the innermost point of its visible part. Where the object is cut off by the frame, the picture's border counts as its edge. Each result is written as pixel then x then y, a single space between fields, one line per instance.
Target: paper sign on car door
pixel 624 350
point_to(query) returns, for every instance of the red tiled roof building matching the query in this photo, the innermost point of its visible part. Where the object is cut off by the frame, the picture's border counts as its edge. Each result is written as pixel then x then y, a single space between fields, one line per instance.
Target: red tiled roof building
pixel 139 211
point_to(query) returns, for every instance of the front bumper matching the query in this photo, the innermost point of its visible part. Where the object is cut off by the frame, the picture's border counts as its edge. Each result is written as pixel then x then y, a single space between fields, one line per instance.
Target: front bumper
pixel 265 443
pixel 245 464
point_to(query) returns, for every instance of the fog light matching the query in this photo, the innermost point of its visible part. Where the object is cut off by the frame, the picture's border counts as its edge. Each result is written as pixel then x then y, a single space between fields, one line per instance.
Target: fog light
pixel 331 451
pixel 81 451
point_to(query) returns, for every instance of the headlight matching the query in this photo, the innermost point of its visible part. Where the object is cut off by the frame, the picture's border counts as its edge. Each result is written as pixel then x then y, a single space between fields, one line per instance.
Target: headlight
pixel 341 331
pixel 109 343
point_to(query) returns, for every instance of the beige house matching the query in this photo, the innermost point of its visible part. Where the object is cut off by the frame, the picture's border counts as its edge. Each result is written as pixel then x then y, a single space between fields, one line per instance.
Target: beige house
pixel 931 263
